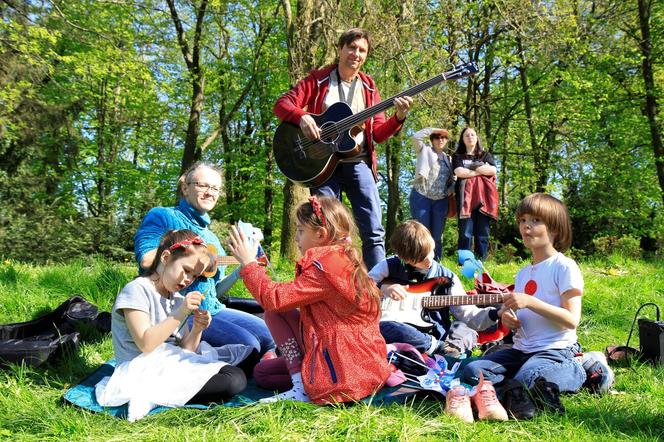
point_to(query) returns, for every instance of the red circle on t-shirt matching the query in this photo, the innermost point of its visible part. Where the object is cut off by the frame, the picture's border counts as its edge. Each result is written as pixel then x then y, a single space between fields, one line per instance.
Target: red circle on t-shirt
pixel 531 287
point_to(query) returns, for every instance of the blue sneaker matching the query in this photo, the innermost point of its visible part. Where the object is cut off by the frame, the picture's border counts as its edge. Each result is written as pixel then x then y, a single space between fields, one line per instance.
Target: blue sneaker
pixel 600 377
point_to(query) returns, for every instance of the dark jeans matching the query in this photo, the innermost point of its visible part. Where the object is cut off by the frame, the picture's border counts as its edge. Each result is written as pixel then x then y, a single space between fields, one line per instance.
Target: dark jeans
pixel 393 331
pixel 557 366
pixel 477 226
pixel 231 326
pixel 431 213
pixel 357 182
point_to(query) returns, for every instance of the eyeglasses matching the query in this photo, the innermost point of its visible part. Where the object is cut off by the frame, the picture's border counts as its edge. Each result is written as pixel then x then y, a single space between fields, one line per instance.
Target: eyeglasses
pixel 438 137
pixel 202 187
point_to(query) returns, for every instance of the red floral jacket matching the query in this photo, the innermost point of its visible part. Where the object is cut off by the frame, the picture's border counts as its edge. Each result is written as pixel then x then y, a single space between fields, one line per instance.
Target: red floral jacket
pixel 308 95
pixel 345 354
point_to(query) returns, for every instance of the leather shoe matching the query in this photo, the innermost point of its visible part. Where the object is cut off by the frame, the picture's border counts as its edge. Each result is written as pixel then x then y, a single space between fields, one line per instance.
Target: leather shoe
pixel 517 401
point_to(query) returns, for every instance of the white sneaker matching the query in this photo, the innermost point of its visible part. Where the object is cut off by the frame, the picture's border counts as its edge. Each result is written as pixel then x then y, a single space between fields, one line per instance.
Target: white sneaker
pixel 599 376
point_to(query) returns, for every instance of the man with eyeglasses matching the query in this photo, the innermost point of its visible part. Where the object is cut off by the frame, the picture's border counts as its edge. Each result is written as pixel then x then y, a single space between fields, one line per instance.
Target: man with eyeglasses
pixel 198 191
pixel 433 185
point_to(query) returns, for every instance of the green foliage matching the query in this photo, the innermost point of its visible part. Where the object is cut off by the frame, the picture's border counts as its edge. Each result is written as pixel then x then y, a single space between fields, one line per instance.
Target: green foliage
pixel 95 98
pixel 627 246
pixel 504 254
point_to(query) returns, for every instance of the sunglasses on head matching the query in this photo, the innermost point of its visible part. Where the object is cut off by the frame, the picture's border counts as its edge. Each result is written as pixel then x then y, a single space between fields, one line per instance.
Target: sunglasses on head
pixel 438 137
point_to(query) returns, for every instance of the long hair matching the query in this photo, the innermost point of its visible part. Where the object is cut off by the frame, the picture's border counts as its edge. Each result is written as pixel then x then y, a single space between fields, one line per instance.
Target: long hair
pixel 554 214
pixel 173 237
pixel 341 229
pixel 186 176
pixel 461 146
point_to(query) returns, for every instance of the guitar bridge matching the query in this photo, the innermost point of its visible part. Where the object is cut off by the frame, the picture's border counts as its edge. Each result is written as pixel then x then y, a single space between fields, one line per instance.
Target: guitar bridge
pixel 299 151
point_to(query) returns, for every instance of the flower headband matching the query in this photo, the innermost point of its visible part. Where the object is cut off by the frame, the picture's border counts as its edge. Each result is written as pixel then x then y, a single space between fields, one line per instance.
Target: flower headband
pixel 318 211
pixel 185 243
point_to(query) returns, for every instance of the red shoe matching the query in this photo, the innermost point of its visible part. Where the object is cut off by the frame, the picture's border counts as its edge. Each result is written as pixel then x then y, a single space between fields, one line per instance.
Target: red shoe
pixel 269 355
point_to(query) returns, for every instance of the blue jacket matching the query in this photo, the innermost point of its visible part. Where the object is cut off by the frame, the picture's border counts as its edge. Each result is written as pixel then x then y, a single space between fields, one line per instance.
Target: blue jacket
pixel 160 220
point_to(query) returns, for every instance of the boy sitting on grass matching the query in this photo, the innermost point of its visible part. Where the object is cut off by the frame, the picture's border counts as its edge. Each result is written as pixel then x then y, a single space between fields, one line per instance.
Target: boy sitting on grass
pixel 414 263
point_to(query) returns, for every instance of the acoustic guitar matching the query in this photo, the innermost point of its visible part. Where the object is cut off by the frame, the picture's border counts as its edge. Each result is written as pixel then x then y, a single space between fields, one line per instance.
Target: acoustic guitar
pixel 312 162
pixel 409 309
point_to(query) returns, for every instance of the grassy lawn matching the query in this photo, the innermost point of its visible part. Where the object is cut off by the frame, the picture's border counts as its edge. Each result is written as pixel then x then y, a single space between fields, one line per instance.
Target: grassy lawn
pixel 30 407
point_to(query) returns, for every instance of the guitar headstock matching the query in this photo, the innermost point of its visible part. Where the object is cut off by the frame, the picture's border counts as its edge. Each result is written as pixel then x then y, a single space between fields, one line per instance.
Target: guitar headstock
pixel 462 70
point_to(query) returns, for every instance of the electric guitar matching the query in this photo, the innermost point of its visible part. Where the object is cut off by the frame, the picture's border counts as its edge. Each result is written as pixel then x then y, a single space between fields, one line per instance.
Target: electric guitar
pixel 312 162
pixel 409 310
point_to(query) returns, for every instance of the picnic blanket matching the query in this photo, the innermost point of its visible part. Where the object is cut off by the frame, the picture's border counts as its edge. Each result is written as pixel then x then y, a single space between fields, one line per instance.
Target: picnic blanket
pixel 83 395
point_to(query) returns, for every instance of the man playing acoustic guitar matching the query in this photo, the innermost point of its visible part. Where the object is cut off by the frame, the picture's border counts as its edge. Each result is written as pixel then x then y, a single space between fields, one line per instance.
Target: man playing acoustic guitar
pixel 356 176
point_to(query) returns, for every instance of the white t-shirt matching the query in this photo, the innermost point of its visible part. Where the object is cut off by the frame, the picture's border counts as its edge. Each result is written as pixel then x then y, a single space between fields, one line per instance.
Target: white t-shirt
pixel 357 104
pixel 140 294
pixel 546 281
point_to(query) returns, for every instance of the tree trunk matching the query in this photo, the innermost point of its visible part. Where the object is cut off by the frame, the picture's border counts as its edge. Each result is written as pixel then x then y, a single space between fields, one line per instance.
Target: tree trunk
pixel 651 99
pixel 303 38
pixel 537 160
pixel 192 152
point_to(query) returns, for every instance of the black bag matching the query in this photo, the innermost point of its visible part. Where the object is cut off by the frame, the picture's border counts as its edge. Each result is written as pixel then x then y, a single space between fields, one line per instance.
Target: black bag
pixel 651 337
pixel 248 305
pixel 49 336
pixel 651 340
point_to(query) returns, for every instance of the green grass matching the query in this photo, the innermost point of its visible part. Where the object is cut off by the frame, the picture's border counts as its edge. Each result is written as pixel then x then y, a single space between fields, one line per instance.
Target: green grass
pixel 30 407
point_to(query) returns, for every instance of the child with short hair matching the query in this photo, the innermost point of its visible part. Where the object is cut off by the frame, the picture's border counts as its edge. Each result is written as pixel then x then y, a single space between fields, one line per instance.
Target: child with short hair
pixel 155 351
pixel 413 263
pixel 331 348
pixel 545 310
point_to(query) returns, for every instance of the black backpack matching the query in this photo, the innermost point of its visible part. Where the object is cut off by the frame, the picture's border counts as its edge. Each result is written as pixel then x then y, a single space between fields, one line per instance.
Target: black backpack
pixel 49 336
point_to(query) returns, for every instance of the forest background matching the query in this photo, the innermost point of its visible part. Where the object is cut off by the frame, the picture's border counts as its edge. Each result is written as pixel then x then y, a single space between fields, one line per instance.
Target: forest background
pixel 103 103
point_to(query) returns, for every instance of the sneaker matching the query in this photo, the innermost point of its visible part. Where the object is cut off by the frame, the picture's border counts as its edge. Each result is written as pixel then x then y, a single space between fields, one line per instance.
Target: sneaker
pixel 457 403
pixel 517 401
pixel 599 376
pixel 547 396
pixel 486 403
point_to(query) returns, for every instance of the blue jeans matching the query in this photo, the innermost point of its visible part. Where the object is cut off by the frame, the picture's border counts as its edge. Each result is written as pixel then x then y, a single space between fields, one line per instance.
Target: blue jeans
pixel 231 326
pixel 357 182
pixel 476 226
pixel 431 213
pixel 557 366
pixel 393 331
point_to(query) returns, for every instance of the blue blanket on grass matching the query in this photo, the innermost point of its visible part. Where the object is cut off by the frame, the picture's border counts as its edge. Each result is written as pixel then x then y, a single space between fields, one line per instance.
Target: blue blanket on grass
pixel 83 395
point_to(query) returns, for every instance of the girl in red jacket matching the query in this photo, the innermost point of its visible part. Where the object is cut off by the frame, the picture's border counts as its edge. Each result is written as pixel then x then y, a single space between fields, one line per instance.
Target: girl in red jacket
pixel 331 349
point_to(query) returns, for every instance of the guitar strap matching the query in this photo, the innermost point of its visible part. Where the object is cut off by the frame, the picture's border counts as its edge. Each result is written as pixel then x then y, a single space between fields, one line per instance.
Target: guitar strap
pixel 351 91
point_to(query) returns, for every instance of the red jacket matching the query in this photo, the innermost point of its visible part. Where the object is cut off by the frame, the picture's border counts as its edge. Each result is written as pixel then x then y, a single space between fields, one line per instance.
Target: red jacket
pixel 478 192
pixel 345 355
pixel 308 95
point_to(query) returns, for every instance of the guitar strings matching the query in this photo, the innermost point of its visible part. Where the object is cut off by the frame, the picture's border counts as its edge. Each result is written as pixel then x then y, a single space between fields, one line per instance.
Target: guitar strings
pixel 352 120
